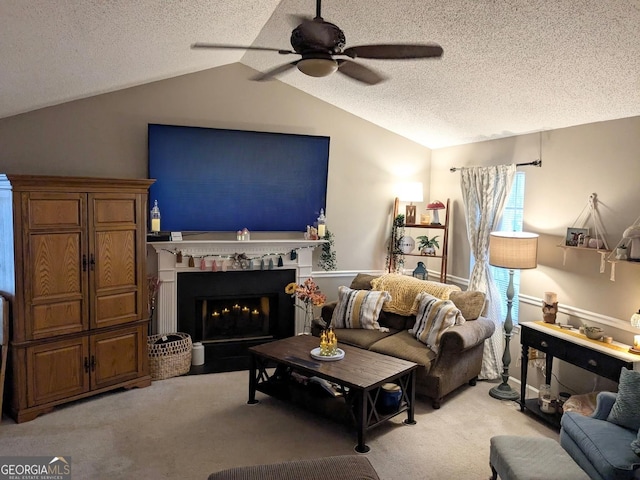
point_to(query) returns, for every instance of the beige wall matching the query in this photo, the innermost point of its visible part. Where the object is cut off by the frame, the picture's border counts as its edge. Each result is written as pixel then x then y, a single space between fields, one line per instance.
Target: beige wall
pixel 106 136
pixel 601 158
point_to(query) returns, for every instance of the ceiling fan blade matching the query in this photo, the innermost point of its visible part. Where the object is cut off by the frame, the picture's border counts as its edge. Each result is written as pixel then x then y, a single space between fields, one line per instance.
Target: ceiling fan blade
pixel 359 72
pixel 269 74
pixel 239 47
pixel 395 51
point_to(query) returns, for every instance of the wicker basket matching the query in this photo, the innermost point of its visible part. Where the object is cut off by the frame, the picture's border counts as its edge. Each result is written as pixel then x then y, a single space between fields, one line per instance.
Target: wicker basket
pixel 170 359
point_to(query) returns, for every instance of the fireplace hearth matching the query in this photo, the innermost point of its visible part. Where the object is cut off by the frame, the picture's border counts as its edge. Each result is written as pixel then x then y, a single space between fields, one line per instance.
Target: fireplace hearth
pixel 231 311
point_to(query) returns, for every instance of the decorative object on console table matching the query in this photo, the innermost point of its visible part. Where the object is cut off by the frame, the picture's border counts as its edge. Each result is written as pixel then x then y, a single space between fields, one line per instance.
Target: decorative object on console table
pixel 435 206
pixel 635 323
pixel 550 307
pixel 512 250
pixel 411 192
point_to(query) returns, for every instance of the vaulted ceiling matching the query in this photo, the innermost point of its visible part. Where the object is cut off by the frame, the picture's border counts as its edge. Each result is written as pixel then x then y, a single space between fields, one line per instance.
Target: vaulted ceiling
pixel 509 66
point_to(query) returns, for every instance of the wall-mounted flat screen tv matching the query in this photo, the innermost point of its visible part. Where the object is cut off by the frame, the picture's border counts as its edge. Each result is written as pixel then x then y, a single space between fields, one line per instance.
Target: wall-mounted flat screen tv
pixel 210 179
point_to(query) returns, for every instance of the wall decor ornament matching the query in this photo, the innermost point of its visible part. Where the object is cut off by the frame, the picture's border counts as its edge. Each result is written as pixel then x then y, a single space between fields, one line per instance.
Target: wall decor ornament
pixel 407 244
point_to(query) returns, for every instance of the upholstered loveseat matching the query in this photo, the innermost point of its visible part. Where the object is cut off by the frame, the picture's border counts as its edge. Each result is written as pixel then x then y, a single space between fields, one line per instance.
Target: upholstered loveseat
pixel 453 362
pixel 606 444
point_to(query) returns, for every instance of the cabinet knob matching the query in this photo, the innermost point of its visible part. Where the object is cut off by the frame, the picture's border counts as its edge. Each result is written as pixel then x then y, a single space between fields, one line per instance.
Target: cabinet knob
pixel 592 362
pixel 93 363
pixel 544 344
pixel 86 365
pixel 84 263
pixel 92 262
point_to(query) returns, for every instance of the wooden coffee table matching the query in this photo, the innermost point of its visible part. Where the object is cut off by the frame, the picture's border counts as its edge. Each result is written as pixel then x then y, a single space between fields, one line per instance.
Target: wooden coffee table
pixel 359 375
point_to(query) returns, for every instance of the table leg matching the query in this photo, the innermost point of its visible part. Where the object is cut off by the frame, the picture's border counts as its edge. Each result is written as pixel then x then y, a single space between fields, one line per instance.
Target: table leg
pixel 524 366
pixel 252 380
pixel 548 368
pixel 361 420
pixel 411 398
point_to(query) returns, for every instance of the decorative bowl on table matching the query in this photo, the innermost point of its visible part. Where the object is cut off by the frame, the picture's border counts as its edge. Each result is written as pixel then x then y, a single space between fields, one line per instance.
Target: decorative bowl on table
pixel 594 333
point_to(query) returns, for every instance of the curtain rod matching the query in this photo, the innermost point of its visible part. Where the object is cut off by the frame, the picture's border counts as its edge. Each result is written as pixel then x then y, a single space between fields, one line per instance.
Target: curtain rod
pixel 535 163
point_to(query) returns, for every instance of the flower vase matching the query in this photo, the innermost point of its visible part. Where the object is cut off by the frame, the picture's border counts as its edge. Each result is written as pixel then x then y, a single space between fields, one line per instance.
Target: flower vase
pixel 308 319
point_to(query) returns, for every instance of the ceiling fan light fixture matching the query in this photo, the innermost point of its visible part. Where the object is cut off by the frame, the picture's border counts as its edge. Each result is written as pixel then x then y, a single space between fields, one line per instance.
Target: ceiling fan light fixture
pixel 317 67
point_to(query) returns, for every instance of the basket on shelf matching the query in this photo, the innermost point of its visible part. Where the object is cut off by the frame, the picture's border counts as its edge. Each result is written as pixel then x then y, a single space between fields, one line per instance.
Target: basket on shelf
pixel 169 359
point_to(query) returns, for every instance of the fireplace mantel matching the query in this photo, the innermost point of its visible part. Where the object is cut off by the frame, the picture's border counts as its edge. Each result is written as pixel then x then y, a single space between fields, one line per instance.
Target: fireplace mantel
pixel 162 261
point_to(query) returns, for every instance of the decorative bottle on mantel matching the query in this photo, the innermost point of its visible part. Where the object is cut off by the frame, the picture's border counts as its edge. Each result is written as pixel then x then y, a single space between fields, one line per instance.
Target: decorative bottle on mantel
pixel 322 224
pixel 155 217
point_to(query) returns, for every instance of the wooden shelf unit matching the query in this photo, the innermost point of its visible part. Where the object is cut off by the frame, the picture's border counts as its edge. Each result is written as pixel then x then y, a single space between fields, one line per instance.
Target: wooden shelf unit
pixel 74 253
pixel 444 249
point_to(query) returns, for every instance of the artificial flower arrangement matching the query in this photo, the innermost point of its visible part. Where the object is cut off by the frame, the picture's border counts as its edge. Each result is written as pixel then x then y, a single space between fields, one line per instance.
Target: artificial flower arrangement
pixel 310 295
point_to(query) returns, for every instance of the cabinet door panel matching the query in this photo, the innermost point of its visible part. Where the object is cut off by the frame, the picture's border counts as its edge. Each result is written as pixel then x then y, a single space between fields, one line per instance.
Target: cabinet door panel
pixel 56 319
pixel 117 356
pixel 57 370
pixel 117 243
pixel 55 284
pixel 55 210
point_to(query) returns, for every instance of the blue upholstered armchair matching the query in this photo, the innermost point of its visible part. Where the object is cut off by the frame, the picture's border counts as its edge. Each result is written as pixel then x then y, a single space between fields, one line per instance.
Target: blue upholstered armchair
pixel 601 448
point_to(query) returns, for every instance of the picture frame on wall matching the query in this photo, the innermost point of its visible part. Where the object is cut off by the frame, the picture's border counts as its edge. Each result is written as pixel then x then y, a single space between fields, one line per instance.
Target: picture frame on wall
pixel 573 235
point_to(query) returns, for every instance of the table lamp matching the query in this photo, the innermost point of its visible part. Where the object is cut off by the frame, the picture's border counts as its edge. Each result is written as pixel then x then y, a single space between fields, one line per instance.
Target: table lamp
pixel 512 250
pixel 411 192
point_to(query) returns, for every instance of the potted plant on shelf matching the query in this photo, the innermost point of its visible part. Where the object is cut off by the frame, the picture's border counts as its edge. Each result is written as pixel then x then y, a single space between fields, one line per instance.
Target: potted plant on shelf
pixel 427 246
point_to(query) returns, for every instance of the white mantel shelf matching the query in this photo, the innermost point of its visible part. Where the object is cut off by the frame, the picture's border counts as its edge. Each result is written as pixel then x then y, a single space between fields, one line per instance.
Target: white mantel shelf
pixel 162 261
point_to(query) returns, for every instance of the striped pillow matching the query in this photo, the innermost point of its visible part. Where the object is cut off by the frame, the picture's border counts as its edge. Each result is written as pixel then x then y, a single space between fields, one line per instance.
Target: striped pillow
pixel 434 317
pixel 359 309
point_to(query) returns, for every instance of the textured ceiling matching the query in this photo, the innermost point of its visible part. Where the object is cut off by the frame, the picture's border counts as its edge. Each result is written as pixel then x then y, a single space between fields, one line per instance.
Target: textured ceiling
pixel 509 66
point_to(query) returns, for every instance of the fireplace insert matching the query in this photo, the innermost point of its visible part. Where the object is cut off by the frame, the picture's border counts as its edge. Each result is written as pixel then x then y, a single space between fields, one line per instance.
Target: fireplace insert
pixel 231 311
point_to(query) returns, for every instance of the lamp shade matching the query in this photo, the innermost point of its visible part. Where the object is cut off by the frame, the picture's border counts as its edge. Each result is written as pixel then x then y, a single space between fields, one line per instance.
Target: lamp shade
pixel 513 250
pixel 411 192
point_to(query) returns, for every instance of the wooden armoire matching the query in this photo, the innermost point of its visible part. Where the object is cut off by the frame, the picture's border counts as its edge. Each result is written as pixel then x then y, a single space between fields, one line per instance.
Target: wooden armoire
pixel 72 263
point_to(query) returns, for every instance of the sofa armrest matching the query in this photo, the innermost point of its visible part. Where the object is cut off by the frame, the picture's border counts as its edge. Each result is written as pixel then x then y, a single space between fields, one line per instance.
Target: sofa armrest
pixel 468 335
pixel 604 403
pixel 327 311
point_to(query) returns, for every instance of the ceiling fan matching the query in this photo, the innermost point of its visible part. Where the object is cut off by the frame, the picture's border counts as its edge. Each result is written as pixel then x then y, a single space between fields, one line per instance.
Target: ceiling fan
pixel 318 43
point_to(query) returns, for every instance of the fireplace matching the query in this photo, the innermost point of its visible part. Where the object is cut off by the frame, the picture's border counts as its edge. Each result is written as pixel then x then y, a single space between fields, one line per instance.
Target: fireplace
pixel 230 311
pixel 191 260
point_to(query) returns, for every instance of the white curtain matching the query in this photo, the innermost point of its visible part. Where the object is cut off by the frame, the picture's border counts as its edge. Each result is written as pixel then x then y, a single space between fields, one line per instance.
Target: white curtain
pixel 485 191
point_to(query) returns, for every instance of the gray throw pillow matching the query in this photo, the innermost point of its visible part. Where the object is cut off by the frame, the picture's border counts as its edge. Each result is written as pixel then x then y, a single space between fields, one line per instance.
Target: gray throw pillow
pixel 626 409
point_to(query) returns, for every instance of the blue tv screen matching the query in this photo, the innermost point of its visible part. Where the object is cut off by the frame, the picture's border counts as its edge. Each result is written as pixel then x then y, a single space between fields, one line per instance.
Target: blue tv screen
pixel 210 179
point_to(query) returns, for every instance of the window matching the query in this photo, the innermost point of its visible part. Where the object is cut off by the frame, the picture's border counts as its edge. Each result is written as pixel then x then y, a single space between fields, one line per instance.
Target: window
pixel 512 219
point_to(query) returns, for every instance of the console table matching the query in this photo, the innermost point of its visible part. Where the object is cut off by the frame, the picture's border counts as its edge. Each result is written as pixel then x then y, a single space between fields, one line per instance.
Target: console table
pixel 598 357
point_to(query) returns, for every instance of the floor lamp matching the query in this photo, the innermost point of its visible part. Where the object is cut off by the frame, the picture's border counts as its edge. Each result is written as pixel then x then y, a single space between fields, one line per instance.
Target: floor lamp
pixel 512 250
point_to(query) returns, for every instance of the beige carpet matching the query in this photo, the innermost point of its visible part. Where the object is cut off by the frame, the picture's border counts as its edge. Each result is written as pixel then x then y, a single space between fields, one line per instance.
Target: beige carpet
pixel 187 427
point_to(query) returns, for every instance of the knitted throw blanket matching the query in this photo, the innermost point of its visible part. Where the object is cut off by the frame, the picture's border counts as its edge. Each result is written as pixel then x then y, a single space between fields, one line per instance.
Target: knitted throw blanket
pixel 405 289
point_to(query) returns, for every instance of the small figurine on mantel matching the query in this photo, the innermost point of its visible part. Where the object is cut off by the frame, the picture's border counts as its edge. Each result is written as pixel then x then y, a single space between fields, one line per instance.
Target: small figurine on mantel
pixel 550 307
pixel 311 233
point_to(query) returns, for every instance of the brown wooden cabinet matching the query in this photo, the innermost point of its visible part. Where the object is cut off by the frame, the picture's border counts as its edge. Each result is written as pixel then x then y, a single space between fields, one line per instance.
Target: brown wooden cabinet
pixel 73 253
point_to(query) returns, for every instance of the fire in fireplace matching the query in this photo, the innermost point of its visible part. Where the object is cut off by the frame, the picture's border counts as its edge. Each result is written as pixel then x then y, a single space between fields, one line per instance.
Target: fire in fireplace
pixel 231 311
pixel 236 318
